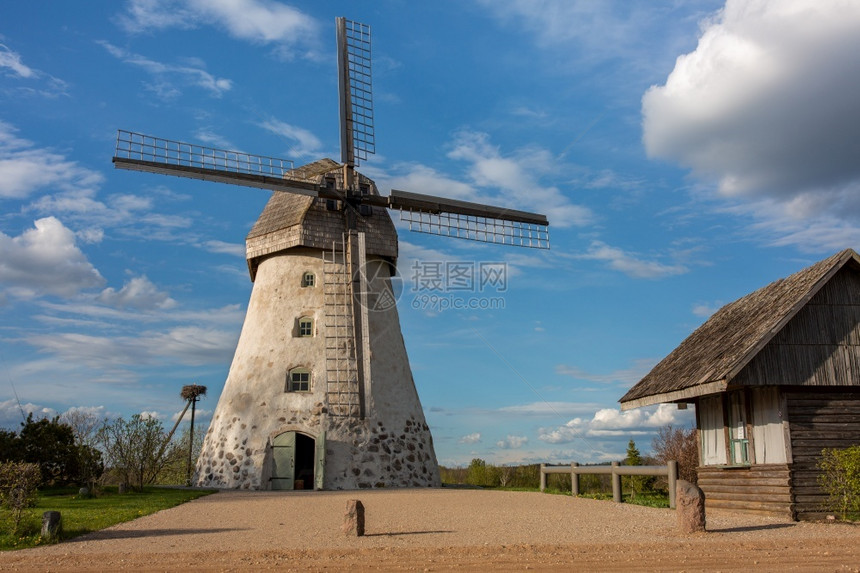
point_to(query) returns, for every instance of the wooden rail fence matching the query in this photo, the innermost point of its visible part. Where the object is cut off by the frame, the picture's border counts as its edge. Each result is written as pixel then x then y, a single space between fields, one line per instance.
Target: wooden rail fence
pixel 616 470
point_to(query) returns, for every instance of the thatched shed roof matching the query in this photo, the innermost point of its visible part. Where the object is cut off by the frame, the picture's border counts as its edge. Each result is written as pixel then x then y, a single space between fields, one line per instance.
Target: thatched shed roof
pixel 290 220
pixel 716 352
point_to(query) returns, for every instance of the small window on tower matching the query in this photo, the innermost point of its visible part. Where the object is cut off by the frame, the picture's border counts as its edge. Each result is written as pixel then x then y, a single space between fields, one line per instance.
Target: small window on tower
pixel 299 380
pixel 308 280
pixel 306 326
pixel 364 189
pixel 330 183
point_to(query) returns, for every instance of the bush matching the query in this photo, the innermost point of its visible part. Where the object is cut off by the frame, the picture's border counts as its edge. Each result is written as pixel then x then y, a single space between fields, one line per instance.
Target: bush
pixel 18 483
pixel 840 478
pixel 679 445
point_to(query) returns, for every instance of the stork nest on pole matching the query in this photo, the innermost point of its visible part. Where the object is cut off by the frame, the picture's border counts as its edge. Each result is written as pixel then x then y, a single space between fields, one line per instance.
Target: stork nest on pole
pixel 192 391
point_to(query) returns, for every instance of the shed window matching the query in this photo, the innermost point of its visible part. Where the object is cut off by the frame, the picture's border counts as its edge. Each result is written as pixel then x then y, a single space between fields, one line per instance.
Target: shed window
pixel 308 279
pixel 299 380
pixel 306 326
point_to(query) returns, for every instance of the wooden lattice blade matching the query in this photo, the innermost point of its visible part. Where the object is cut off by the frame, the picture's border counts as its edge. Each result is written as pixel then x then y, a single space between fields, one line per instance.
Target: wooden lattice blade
pixel 472 221
pixel 219 176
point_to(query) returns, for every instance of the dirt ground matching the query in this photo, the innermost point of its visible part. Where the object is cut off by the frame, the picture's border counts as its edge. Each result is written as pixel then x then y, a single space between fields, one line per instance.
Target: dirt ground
pixel 442 530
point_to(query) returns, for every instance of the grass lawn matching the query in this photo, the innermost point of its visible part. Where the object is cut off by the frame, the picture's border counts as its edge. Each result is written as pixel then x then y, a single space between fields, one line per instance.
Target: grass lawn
pixel 82 515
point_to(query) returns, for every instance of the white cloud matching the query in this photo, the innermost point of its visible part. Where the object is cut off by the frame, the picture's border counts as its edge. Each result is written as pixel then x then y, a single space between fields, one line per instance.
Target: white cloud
pixel 45 260
pixel 592 33
pixel 630 264
pixel 190 73
pixel 24 169
pixel 766 106
pixel 473 438
pixel 138 293
pixel 546 408
pixel 256 21
pixel 512 442
pixel 705 309
pixel 225 248
pixel 627 376
pixel 517 176
pixel 608 422
pixel 305 142
pixel 187 345
pixel 12 61
pixel 12 414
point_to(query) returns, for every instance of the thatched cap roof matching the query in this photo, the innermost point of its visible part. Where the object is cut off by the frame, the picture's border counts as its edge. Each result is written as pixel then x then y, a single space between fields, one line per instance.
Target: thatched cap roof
pixel 710 357
pixel 291 220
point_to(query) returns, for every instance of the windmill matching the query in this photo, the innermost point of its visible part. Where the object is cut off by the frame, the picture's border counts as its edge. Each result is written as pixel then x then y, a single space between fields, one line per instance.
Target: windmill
pixel 320 393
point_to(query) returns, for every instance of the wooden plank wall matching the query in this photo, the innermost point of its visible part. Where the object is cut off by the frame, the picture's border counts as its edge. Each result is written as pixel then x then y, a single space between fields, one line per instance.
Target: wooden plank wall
pixel 820 346
pixel 760 489
pixel 818 419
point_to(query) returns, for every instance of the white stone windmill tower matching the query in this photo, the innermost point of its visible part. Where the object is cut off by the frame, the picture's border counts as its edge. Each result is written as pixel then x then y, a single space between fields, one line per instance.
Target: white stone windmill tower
pixel 320 393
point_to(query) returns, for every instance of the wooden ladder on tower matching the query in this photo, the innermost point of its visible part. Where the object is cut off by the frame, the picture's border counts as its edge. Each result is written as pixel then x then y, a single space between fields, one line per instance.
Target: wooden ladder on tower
pixel 342 387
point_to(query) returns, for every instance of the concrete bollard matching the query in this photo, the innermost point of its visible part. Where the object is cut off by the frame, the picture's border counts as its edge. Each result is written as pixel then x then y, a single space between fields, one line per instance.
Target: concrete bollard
pixel 52 525
pixel 690 507
pixel 353 519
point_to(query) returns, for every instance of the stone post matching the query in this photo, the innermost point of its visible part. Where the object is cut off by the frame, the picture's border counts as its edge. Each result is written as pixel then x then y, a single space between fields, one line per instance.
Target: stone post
pixel 690 507
pixel 353 519
pixel 52 525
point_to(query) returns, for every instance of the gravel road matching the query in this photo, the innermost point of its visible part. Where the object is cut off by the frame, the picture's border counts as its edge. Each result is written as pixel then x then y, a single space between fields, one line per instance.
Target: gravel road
pixel 442 530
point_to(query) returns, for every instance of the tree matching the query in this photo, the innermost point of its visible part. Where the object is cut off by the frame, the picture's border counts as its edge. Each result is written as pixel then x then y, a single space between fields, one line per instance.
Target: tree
pixel 85 425
pixel 637 484
pixel 50 444
pixel 174 471
pixel 679 445
pixel 134 448
pixel 10 446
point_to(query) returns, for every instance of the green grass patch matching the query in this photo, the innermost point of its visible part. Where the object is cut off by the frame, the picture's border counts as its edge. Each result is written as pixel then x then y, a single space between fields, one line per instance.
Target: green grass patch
pixel 83 515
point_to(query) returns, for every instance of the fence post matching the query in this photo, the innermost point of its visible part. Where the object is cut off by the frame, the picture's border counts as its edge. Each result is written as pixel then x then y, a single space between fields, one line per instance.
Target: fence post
pixel 542 477
pixel 673 478
pixel 574 479
pixel 616 483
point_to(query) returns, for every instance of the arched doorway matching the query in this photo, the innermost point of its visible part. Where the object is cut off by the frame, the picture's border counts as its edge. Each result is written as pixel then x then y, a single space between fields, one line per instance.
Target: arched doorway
pixel 297 461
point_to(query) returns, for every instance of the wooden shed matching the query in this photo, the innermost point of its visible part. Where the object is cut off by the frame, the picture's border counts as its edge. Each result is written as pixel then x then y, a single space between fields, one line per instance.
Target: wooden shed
pixel 775 378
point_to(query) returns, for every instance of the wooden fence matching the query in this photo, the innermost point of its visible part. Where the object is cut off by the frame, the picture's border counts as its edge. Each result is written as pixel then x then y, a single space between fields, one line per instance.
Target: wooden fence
pixel 616 470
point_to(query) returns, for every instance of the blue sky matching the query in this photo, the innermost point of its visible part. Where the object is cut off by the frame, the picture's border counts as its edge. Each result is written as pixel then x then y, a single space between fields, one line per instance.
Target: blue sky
pixel 685 154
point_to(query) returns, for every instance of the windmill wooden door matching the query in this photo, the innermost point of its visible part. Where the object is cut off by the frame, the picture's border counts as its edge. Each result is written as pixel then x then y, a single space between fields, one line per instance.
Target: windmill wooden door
pixel 297 461
pixel 284 461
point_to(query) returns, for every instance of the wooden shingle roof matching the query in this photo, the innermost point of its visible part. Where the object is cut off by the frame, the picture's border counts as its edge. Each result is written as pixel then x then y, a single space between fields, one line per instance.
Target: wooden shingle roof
pixel 715 352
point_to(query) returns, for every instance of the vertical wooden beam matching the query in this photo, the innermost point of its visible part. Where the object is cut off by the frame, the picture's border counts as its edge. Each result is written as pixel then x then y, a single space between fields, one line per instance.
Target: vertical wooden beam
pixel 673 480
pixel 616 483
pixel 574 479
pixel 542 477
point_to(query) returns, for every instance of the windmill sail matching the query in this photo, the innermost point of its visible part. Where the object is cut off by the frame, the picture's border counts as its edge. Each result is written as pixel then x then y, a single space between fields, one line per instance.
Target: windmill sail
pixel 423 213
pixel 139 152
pixel 472 221
pixel 357 139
